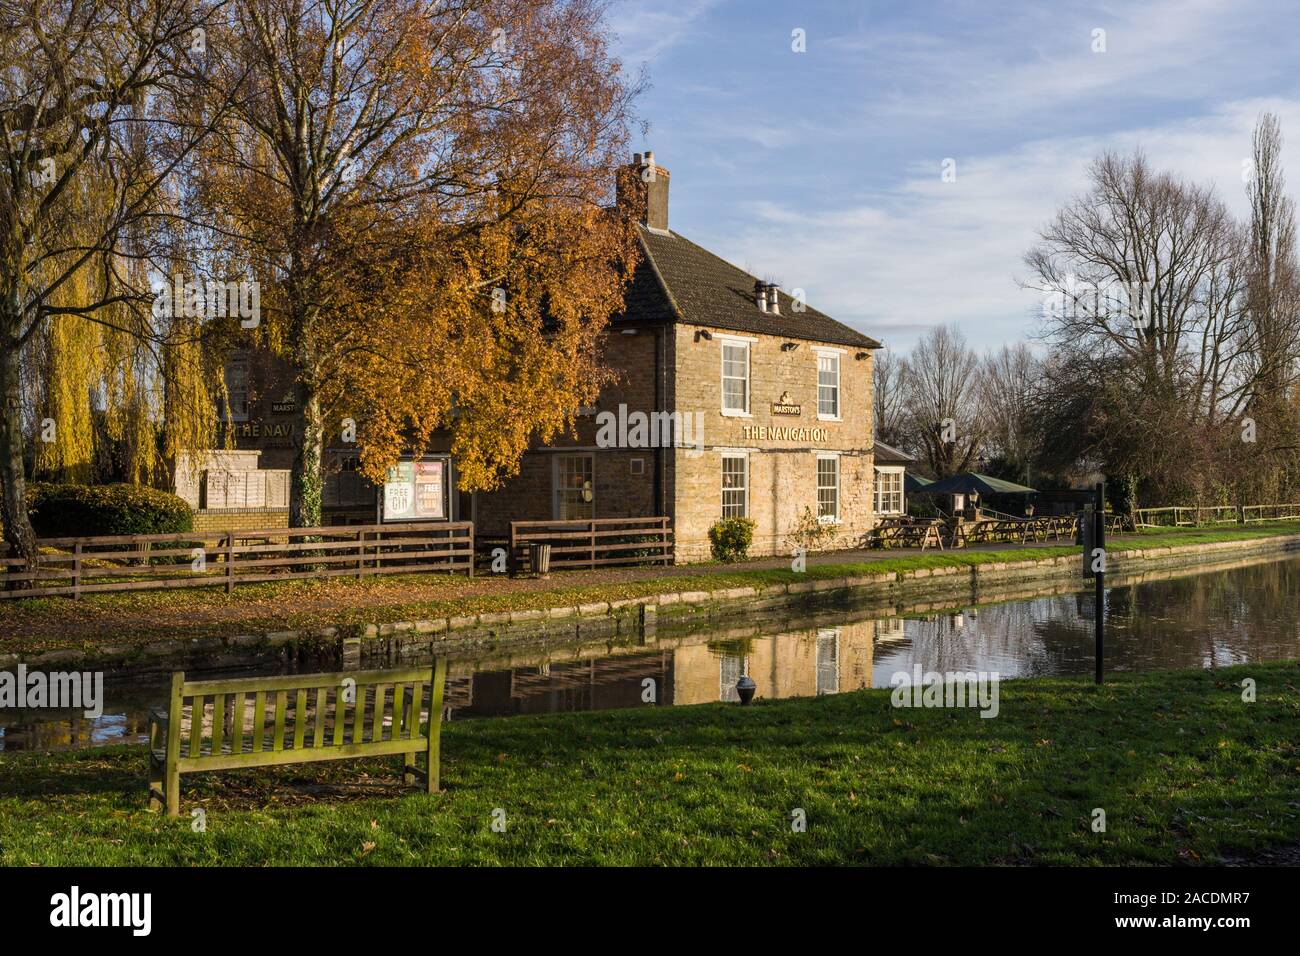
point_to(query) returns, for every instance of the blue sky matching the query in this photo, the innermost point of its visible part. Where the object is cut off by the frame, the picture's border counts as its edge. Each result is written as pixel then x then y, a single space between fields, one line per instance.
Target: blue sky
pixel 822 170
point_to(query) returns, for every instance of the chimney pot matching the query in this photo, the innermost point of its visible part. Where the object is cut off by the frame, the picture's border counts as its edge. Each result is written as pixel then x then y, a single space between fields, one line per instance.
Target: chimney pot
pixel 636 159
pixel 773 300
pixel 760 296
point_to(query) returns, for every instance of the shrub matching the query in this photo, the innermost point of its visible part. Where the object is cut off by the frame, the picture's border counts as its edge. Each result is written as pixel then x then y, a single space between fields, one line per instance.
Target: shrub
pixel 811 533
pixel 65 511
pixel 730 538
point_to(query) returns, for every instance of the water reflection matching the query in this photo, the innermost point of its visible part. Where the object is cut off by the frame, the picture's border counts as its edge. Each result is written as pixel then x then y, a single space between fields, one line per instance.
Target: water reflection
pixel 1230 616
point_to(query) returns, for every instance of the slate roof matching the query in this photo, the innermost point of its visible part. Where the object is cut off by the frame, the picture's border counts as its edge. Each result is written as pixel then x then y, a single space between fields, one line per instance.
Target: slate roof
pixel 889 455
pixel 678 281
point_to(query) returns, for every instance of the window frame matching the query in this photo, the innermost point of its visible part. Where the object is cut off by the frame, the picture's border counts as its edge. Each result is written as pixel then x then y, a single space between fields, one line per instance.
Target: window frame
pixel 838 356
pixel 734 341
pixel 557 489
pixel 227 413
pixel 833 518
pixel 898 471
pixel 744 488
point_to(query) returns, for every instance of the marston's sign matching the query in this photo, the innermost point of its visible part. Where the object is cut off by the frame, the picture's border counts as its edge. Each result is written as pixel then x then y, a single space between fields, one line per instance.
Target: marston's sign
pixel 786 407
pixel 784 433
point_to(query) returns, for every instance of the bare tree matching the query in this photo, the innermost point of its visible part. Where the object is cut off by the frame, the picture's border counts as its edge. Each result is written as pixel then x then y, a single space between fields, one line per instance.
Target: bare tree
pixel 1145 279
pixel 942 386
pixel 888 401
pixel 1007 383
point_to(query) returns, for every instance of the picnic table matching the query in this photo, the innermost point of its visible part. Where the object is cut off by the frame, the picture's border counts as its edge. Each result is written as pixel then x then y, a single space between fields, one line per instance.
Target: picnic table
pixel 906 532
pixel 1007 528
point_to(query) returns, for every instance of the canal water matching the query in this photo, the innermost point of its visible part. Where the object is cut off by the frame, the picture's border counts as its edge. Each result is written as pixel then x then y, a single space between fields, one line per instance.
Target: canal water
pixel 1238 615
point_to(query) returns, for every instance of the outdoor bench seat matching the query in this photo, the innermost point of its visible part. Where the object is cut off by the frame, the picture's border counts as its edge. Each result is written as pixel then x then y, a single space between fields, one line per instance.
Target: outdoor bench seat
pixel 243 722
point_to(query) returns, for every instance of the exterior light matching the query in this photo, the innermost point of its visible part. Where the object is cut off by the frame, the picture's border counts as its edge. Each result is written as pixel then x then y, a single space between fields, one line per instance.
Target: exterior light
pixel 861 355
pixel 703 334
pixel 789 346
pixel 745 688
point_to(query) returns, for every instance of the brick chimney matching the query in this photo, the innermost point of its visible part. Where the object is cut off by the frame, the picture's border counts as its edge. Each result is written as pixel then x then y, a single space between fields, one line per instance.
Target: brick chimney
pixel 650 182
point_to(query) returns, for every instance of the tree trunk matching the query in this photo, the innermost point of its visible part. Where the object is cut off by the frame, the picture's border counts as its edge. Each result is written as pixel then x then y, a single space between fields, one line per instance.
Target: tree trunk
pixel 305 472
pixel 13 503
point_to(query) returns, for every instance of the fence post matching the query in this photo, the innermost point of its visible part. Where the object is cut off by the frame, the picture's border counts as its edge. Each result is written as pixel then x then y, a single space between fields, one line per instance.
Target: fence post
pixel 471 549
pixel 230 562
pixel 76 571
pixel 361 554
pixel 1241 514
pixel 592 558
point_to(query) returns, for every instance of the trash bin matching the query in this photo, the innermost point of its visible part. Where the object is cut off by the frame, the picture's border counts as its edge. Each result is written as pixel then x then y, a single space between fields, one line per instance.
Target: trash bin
pixel 539 556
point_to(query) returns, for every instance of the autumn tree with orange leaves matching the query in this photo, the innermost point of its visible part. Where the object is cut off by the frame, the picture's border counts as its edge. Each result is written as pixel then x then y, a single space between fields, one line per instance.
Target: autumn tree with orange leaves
pixel 421 189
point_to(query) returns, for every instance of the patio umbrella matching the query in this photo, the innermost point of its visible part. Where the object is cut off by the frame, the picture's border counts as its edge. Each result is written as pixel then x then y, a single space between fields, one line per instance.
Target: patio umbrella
pixel 972 483
pixel 916 484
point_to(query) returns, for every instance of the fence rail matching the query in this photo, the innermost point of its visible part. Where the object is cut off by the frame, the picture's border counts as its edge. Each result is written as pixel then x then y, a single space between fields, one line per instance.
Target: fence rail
pixel 595 543
pixel 1186 516
pixel 1251 513
pixel 105 563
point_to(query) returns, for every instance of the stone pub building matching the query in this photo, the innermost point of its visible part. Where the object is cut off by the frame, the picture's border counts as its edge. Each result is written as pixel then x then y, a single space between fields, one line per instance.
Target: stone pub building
pixel 754 404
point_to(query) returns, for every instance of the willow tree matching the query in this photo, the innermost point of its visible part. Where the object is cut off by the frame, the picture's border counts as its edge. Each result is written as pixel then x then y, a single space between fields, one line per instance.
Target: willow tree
pixel 84 162
pixel 462 136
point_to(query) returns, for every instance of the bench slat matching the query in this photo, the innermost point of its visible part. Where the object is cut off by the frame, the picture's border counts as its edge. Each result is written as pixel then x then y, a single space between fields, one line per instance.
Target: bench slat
pixel 281 698
pixel 237 725
pixel 300 719
pixel 340 716
pixel 358 714
pixel 218 722
pixel 318 734
pixel 377 718
pixel 196 725
pixel 259 720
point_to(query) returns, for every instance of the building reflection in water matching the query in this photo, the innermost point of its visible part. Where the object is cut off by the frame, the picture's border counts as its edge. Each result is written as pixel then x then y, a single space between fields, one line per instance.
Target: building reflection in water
pixel 791 664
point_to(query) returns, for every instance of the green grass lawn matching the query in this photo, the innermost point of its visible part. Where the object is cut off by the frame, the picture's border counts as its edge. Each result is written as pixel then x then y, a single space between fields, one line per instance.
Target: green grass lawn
pixel 50 623
pixel 1185 770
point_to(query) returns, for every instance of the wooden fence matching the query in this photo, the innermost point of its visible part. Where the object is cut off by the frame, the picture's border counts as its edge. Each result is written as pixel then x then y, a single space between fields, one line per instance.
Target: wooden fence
pixel 590 544
pixel 1171 517
pixel 77 566
pixel 1250 513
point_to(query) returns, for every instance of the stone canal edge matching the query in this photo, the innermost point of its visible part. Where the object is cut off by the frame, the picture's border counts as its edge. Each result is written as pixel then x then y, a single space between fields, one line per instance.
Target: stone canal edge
pixel 641 616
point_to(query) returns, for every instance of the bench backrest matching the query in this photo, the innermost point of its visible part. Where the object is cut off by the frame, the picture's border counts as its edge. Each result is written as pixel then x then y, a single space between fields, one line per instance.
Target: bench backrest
pixel 297 717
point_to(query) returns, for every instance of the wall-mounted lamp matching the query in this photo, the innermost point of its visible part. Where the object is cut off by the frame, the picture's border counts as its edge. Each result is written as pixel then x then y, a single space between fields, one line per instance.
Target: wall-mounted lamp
pixel 861 355
pixel 703 334
pixel 789 346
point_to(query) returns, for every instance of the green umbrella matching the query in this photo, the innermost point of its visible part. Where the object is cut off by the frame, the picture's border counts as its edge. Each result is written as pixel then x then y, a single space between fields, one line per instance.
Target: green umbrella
pixel 972 483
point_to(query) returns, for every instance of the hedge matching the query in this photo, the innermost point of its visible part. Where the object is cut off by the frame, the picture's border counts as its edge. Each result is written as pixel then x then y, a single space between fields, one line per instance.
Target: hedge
pixel 65 511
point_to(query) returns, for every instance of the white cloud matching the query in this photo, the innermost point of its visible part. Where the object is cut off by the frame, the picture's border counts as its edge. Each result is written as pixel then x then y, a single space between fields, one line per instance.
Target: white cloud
pixel 928 252
pixel 646 31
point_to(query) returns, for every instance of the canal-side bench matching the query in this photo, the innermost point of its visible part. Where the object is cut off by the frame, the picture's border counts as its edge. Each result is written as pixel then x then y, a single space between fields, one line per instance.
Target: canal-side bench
pixel 224 725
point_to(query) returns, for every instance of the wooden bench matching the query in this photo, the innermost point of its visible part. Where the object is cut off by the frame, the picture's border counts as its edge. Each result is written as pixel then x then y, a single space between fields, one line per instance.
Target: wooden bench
pixel 223 724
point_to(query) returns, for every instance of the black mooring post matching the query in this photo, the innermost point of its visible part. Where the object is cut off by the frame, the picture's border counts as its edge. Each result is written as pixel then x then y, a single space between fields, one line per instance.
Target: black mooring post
pixel 1099 541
